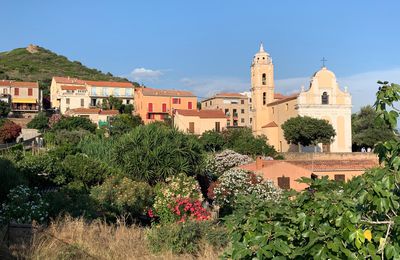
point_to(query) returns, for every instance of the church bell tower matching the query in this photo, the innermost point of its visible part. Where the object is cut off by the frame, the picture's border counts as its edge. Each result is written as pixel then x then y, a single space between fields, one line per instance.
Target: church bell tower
pixel 262 88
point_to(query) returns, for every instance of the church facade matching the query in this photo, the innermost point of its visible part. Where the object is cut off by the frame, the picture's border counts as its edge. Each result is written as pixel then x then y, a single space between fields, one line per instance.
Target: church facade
pixel 323 100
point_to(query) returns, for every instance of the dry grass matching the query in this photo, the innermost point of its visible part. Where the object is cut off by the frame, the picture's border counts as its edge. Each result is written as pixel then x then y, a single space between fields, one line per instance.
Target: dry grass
pixel 76 239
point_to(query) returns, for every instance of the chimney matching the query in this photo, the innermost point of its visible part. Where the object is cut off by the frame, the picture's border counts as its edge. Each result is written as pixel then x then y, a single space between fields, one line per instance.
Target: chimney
pixel 259 163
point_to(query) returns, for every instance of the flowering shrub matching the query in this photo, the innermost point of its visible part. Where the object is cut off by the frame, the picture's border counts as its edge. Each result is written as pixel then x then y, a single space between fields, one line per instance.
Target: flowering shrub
pixel 23 205
pixel 225 160
pixel 237 182
pixel 190 209
pixel 178 189
pixel 9 131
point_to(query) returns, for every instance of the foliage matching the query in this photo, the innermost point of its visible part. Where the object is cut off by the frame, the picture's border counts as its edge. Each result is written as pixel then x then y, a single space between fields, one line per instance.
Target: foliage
pixel 74 123
pixel 10 177
pixel 65 137
pixel 242 141
pixel 212 141
pixel 39 122
pixel 169 193
pixel 123 123
pixel 186 237
pixel 237 182
pixel 111 102
pixel 99 148
pixel 219 163
pixel 121 196
pixel 54 119
pixel 155 152
pixel 23 205
pixel 9 131
pixel 308 131
pixel 4 109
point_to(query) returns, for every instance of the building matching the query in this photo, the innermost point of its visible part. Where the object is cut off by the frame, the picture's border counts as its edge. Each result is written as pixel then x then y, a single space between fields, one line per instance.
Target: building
pixel 97 116
pixel 23 97
pixel 70 93
pixel 235 106
pixel 157 104
pixel 199 121
pixel 323 99
pixel 285 173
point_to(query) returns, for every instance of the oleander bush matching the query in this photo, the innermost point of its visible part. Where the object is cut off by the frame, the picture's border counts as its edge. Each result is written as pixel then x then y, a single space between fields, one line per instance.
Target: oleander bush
pixel 217 164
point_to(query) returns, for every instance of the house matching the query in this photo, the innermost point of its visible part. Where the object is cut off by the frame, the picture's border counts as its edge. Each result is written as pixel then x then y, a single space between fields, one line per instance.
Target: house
pixel 157 104
pixel 70 93
pixel 235 106
pixel 96 115
pixel 23 97
pixel 199 121
pixel 284 173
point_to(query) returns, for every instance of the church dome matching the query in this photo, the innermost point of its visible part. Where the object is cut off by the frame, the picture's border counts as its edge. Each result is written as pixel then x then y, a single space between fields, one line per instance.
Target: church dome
pixel 262 57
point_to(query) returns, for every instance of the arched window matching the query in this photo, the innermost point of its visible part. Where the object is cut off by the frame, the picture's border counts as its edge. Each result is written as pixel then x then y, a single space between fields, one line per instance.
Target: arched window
pixel 264 98
pixel 325 98
pixel 264 79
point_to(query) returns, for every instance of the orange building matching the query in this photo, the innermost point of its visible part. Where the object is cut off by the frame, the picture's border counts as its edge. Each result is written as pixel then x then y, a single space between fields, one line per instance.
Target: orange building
pixel 199 121
pixel 157 104
pixel 285 173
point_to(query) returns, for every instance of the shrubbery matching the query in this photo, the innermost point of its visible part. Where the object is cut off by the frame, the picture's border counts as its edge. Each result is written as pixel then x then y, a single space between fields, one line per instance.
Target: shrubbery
pixel 9 178
pixel 39 122
pixel 9 131
pixel 74 123
pixel 225 160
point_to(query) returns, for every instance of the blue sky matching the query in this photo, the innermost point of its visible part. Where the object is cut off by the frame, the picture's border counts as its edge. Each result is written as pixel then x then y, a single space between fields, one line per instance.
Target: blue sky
pixel 207 46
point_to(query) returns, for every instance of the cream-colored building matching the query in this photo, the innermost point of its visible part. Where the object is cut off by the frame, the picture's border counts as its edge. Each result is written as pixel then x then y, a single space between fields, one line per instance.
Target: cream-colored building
pixel 97 116
pixel 323 99
pixel 70 93
pixel 235 106
pixel 199 121
pixel 23 97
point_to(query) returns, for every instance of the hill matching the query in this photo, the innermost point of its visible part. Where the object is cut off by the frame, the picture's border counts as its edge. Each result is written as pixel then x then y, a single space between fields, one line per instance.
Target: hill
pixel 35 63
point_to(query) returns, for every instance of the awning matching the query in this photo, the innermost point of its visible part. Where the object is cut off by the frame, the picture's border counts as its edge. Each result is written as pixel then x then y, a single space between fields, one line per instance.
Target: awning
pixel 24 100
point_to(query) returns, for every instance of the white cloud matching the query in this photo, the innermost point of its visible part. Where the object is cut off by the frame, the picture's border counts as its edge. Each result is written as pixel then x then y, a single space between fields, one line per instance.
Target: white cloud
pixel 143 74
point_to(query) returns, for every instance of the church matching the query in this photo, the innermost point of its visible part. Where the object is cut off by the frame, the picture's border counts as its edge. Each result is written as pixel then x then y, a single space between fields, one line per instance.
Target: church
pixel 323 100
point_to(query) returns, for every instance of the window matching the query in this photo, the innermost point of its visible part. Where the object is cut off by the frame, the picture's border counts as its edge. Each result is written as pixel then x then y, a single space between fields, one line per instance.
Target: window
pixel 191 127
pixel 150 107
pixel 150 116
pixel 190 105
pixel 67 101
pixel 164 107
pixel 273 110
pixel 210 102
pixel 228 123
pixel 128 92
pixel 105 91
pixel 264 79
pixel 242 120
pixel 287 106
pixel 93 102
pixel 242 111
pixel 242 102
pixel 251 120
pixel 264 98
pixel 93 91
pixel 16 91
pixel 284 182
pixel 30 92
pixel 128 101
pixel 235 112
pixel 116 92
pixel 227 112
pixel 325 98
pixel 235 123
pixel 82 102
pixel 4 91
pixel 176 101
pixel 217 127
pixel 340 177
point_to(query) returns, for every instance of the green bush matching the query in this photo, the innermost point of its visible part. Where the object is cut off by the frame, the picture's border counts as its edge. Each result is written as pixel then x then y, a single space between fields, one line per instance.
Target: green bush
pixel 39 122
pixel 155 152
pixel 124 123
pixel 121 196
pixel 212 141
pixel 188 237
pixel 74 123
pixel 65 137
pixel 10 177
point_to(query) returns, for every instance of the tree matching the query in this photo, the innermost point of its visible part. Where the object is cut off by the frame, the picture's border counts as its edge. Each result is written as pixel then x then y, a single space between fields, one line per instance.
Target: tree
pixel 74 123
pixel 9 131
pixel 111 103
pixel 123 123
pixel 368 128
pixel 307 131
pixel 155 152
pixel 4 109
pixel 212 141
pixel 39 122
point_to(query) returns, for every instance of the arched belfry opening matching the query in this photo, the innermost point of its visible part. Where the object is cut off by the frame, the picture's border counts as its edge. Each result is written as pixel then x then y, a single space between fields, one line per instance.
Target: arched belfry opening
pixel 264 79
pixel 325 98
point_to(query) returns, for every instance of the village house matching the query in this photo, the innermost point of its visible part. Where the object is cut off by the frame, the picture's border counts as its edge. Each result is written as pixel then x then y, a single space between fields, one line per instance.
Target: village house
pixel 23 97
pixel 234 105
pixel 70 93
pixel 158 104
pixel 97 116
pixel 199 121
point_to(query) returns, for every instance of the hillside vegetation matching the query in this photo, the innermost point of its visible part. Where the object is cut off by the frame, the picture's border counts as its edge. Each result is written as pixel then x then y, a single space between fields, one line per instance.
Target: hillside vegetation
pixel 39 64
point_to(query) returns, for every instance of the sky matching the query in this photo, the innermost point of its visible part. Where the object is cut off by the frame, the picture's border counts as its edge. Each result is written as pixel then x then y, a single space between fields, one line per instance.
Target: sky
pixel 207 46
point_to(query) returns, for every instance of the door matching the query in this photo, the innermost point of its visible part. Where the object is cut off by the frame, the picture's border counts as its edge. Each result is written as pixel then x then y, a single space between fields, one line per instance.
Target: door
pixel 191 127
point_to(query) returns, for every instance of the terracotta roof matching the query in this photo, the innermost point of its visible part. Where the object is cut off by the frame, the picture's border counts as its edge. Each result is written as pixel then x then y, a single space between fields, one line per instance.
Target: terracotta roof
pixel 22 84
pixel 335 165
pixel 166 92
pixel 68 80
pixel 5 82
pixel 271 124
pixel 202 113
pixel 110 84
pixel 279 96
pixel 236 95
pixel 283 100
pixel 83 111
pixel 109 112
pixel 73 87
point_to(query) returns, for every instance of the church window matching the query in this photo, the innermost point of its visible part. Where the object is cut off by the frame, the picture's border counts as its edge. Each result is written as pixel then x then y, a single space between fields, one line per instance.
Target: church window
pixel 273 110
pixel 325 98
pixel 264 98
pixel 287 106
pixel 264 79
